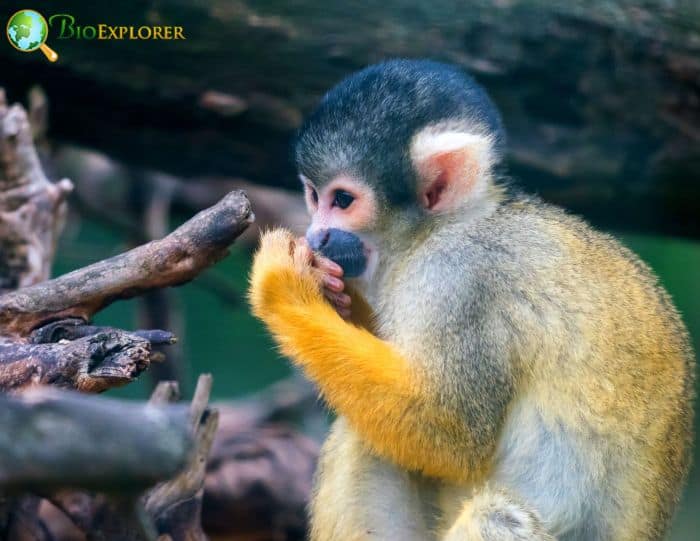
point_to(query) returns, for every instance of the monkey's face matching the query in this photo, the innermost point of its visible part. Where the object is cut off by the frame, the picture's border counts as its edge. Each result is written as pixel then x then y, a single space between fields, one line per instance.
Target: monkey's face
pixel 343 213
pixel 388 150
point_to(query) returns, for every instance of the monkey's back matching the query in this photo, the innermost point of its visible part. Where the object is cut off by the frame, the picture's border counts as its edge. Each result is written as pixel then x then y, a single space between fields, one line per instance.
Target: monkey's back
pixel 618 371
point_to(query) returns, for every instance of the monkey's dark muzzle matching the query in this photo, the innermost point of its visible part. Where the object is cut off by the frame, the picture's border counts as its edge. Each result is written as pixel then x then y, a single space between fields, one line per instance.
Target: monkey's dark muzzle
pixel 343 247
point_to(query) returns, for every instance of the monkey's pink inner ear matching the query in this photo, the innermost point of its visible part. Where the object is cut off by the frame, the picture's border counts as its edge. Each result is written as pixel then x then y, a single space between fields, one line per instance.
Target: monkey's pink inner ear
pixel 450 167
pixel 442 174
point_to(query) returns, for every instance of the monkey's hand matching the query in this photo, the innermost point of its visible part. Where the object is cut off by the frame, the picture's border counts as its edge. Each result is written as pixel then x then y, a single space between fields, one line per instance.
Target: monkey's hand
pixel 283 274
pixel 332 281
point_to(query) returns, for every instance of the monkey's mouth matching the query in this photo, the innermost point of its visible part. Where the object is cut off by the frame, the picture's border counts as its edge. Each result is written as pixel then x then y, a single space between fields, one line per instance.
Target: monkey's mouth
pixel 348 251
pixel 353 262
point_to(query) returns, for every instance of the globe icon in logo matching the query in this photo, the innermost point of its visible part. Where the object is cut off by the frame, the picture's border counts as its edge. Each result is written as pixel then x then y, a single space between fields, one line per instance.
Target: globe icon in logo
pixel 27 31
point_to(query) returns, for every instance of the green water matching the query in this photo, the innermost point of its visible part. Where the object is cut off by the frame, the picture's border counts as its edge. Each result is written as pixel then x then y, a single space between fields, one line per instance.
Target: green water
pixel 226 341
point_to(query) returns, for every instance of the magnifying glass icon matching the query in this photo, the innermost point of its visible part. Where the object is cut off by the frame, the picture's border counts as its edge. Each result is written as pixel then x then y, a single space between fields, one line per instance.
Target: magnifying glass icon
pixel 27 31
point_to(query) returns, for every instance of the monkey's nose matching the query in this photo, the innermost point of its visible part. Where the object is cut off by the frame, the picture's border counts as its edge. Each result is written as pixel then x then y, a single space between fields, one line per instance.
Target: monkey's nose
pixel 318 239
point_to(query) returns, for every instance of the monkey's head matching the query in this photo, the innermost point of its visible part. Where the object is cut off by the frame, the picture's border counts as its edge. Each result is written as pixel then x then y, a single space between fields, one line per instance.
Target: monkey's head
pixel 395 145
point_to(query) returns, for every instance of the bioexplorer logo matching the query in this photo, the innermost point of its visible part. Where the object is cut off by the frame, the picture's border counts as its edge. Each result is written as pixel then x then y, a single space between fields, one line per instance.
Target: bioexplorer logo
pixel 27 31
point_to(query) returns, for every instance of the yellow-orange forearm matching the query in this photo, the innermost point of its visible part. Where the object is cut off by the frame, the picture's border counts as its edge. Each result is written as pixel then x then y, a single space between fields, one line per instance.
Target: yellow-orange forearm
pixel 362 377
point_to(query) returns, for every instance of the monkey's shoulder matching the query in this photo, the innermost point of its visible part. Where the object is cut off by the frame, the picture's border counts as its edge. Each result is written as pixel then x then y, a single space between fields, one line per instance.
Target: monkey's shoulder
pixel 544 230
pixel 527 258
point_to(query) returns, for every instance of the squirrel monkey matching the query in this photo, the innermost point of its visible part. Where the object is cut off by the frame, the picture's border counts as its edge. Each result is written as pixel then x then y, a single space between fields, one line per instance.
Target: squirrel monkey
pixel 503 372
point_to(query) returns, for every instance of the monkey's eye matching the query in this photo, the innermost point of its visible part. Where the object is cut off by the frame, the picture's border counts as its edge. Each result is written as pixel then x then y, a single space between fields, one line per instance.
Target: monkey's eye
pixel 342 199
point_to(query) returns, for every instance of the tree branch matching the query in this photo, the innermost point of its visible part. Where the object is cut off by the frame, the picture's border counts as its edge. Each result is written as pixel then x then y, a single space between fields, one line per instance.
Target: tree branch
pixel 173 260
pixel 176 504
pixel 172 508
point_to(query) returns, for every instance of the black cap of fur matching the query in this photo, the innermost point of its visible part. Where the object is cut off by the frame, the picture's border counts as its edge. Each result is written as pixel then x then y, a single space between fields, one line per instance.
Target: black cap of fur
pixel 364 125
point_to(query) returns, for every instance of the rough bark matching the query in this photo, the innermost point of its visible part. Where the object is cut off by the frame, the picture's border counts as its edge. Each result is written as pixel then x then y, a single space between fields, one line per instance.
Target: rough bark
pixel 44 334
pixel 93 364
pixel 258 483
pixel 176 504
pixel 600 98
pixel 260 469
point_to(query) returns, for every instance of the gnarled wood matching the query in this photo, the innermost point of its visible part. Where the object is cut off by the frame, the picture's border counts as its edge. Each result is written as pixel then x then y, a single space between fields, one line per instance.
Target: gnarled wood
pixel 31 208
pixel 176 504
pixel 93 364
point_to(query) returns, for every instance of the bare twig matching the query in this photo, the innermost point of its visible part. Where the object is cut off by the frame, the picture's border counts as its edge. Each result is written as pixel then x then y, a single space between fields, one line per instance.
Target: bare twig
pixel 165 392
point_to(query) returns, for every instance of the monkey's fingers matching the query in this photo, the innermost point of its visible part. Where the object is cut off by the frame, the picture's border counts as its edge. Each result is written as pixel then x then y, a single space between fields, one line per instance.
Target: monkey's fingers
pixel 332 283
pixel 322 263
pixel 328 266
pixel 340 301
pixel 303 256
pixel 303 264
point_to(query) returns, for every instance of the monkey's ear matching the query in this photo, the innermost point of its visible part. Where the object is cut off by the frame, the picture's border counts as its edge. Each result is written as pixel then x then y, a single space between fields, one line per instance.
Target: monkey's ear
pixel 452 167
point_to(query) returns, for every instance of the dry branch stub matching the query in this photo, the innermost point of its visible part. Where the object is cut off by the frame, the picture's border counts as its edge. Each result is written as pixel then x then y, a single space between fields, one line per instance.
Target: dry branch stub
pixel 176 504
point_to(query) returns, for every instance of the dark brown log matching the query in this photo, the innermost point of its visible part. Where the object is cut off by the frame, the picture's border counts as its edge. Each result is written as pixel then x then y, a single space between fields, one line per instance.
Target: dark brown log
pixel 98 517
pixel 22 523
pixel 173 260
pixel 258 477
pixel 258 483
pixel 171 508
pixel 600 98
pixel 93 364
